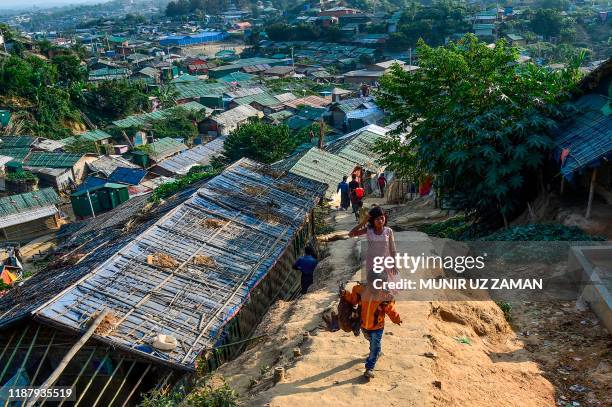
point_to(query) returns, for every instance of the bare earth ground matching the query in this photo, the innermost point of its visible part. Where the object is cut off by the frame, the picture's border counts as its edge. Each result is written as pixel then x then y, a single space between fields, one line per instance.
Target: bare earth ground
pixel 535 367
pixel 211 49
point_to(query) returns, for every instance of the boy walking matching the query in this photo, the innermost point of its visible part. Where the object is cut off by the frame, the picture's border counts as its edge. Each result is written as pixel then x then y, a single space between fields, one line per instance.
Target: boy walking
pixel 375 304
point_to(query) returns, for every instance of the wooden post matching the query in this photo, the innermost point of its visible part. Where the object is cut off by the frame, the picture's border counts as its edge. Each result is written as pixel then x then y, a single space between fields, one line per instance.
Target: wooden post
pixel 279 374
pixel 68 357
pixel 591 193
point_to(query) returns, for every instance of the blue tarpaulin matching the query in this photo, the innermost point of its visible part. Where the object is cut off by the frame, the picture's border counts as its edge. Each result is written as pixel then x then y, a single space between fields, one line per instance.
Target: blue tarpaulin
pixel 130 176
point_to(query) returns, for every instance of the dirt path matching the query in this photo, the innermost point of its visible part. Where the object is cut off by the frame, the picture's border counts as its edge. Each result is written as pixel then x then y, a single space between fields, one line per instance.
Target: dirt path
pixel 475 357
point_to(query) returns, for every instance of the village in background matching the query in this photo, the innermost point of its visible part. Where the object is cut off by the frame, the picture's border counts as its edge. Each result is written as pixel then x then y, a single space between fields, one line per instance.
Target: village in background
pixel 164 163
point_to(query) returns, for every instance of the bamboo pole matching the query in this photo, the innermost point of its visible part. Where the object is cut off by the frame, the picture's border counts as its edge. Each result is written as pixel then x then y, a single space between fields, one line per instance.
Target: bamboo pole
pixel 83 368
pixel 13 353
pixel 68 357
pixel 110 379
pixel 122 383
pixel 7 345
pixel 591 193
pixel 33 381
pixel 25 359
pixel 142 376
pixel 91 379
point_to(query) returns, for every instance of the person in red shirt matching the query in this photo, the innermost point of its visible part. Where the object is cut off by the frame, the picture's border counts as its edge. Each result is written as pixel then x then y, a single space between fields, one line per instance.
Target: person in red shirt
pixel 382 182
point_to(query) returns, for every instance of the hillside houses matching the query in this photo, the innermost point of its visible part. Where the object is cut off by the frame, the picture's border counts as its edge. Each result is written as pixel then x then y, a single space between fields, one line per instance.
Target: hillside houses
pixel 216 300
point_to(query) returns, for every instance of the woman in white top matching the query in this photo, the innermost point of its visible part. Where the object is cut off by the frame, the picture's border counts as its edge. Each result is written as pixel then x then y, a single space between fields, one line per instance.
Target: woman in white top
pixel 381 242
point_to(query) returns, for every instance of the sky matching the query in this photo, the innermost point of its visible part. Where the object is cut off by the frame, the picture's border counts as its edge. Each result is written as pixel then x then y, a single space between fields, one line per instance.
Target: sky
pixel 42 3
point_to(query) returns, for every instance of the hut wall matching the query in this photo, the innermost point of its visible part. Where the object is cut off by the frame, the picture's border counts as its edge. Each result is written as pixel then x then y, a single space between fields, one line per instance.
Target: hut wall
pixel 30 230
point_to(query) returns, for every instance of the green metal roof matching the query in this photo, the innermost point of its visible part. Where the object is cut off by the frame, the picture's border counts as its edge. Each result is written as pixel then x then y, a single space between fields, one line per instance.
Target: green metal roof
pixel 264 99
pixel 97 187
pixel 95 135
pixel 237 77
pixel 17 141
pixel 52 160
pixel 30 200
pixel 324 167
pixel 198 89
pixel 18 154
pixel 108 72
pixel 165 147
pixel 143 119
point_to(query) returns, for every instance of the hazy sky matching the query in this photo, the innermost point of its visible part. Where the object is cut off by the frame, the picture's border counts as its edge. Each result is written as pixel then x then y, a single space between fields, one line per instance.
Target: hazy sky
pixel 42 3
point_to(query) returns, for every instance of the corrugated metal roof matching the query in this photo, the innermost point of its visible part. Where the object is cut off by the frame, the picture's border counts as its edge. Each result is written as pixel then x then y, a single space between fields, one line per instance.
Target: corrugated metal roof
pixel 142 119
pixel 322 166
pixel 200 155
pixel 197 89
pixel 313 101
pixel 192 302
pixel 358 146
pixel 28 201
pixel 91 135
pixel 165 148
pixel 263 99
pixel 588 137
pixel 237 77
pixel 18 153
pixel 52 160
pixel 107 164
pixel 23 217
pixel 130 176
pixel 235 115
pixel 17 141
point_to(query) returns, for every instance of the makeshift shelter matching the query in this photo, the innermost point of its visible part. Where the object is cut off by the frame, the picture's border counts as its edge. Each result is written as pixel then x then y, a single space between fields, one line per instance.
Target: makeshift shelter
pixel 584 143
pixel 322 166
pixel 26 216
pixel 181 163
pixel 209 264
pixel 164 148
pixel 224 123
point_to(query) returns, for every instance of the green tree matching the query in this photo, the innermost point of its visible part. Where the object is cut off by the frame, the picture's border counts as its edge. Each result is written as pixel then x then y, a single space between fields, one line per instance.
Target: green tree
pixel 547 22
pixel 260 141
pixel 117 99
pixel 180 123
pixel 69 68
pixel 480 123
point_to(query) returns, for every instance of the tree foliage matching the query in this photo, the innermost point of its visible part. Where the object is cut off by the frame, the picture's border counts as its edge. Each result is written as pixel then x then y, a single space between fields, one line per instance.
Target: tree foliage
pixel 117 99
pixel 180 123
pixel 432 24
pixel 260 141
pixel 480 123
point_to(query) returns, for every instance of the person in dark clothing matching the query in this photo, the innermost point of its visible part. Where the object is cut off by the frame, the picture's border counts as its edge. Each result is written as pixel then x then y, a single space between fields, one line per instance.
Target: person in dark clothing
pixel 306 265
pixel 355 201
pixel 382 182
pixel 343 188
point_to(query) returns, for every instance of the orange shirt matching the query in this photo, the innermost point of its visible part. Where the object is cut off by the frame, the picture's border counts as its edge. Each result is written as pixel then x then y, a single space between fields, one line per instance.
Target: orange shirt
pixel 374 306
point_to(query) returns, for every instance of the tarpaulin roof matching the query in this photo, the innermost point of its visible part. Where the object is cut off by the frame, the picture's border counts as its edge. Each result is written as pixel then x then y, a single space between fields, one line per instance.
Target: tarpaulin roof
pixel 191 301
pixel 358 146
pixel 588 137
pixel 130 176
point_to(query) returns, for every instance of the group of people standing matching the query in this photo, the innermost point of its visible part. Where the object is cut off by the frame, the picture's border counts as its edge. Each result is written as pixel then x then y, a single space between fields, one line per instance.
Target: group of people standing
pixel 352 193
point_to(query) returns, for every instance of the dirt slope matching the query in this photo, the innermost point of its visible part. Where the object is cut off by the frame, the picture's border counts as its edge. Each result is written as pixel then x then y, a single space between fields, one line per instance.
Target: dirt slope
pixel 492 368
